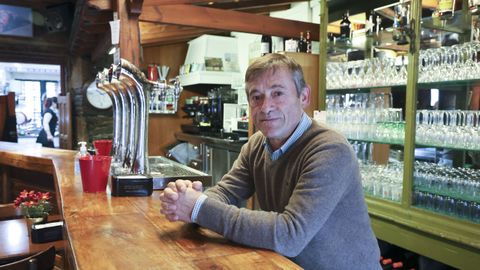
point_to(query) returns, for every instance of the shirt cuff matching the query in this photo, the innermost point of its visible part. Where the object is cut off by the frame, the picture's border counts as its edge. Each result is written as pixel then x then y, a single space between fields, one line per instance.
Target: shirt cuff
pixel 197 206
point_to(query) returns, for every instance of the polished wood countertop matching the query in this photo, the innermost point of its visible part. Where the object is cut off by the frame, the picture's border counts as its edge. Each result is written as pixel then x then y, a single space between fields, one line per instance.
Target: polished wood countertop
pixel 106 232
pixel 15 242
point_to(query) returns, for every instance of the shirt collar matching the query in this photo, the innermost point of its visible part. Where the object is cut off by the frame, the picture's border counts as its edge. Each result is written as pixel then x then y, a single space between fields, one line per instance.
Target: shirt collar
pixel 304 124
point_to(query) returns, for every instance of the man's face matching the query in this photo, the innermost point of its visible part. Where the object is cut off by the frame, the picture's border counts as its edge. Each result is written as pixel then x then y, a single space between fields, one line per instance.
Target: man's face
pixel 275 106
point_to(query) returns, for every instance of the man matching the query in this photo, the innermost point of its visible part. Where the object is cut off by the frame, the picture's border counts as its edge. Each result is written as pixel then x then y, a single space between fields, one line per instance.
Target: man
pixel 305 176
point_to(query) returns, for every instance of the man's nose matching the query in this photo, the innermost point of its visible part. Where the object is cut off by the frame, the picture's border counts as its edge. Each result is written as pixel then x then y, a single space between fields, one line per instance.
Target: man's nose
pixel 267 104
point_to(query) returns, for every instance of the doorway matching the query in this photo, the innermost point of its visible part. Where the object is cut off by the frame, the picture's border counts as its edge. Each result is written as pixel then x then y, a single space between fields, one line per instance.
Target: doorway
pixel 32 84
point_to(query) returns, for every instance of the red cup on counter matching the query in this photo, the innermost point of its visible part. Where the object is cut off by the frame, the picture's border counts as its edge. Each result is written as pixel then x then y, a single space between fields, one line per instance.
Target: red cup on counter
pixel 103 147
pixel 95 171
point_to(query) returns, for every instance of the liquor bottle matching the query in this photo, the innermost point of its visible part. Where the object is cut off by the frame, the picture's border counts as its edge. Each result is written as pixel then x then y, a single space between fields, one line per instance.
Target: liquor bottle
pixel 396 33
pixel 302 43
pixel 370 24
pixel 266 45
pixel 386 264
pixel 378 23
pixel 309 42
pixel 445 9
pixel 345 27
pixel 398 266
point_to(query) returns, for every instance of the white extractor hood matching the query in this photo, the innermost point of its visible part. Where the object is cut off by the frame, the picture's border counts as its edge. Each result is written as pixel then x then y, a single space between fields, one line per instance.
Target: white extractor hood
pixel 206 47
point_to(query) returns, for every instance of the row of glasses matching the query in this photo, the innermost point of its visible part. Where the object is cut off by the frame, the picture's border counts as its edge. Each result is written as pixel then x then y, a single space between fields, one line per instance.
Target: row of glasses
pixel 453 63
pixel 451 206
pixel 369 72
pixel 441 128
pixel 458 183
pixel 448 128
pixel 383 181
pixel 449 63
pixel 366 116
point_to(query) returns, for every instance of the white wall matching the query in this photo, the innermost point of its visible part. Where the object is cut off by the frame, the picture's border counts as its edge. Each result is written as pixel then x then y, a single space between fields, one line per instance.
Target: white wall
pixel 244 42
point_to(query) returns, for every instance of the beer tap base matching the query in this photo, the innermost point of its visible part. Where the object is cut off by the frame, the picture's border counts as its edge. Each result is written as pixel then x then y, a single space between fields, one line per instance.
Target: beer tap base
pixel 131 185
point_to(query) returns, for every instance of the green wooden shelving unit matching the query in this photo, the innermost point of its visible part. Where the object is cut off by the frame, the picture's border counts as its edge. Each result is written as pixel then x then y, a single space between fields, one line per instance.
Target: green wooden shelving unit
pixel 447 239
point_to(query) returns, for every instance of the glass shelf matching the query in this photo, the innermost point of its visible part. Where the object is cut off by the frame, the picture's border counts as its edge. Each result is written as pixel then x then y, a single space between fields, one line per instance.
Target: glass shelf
pixel 371 196
pixel 465 197
pixel 436 84
pixel 432 28
pixel 456 24
pixel 401 143
pixel 463 216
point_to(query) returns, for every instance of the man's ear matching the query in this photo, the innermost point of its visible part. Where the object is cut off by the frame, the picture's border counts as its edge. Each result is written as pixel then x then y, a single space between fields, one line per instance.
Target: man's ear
pixel 305 96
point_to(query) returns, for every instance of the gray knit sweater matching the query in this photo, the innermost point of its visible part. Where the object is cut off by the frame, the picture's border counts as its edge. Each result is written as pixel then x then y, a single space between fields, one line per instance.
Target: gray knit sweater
pixel 313 210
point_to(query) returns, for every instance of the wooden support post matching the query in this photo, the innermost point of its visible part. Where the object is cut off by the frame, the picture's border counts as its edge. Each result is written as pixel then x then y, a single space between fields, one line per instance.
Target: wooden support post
pixel 129 30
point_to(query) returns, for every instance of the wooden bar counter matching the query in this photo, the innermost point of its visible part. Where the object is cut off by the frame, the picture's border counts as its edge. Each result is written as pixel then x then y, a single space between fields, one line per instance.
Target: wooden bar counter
pixel 106 232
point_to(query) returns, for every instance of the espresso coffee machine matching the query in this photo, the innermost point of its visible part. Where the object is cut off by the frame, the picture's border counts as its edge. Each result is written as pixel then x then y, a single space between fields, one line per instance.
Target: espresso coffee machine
pixel 207 111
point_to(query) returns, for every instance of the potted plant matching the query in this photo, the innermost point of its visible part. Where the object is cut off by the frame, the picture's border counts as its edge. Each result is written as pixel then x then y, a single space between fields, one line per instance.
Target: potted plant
pixel 35 206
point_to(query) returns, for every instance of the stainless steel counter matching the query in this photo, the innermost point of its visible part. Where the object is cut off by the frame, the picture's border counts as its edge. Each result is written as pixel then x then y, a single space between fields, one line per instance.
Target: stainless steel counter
pixel 164 170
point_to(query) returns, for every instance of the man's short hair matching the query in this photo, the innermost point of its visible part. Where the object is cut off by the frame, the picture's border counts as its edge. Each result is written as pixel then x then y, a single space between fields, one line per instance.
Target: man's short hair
pixel 273 62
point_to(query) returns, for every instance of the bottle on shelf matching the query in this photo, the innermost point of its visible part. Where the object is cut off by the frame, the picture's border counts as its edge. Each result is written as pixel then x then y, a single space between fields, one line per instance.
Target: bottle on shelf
pixel 475 29
pixel 386 264
pixel 445 9
pixel 396 33
pixel 308 41
pixel 345 27
pixel 397 265
pixel 400 23
pixel 370 23
pixel 378 23
pixel 302 43
pixel 266 45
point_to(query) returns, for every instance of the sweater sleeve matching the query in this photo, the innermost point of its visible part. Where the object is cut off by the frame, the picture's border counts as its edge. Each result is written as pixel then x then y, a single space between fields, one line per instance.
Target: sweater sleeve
pixel 235 186
pixel 326 174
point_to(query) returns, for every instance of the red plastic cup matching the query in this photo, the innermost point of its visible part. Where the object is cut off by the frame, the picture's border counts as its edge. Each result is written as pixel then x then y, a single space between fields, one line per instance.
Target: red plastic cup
pixel 95 171
pixel 103 147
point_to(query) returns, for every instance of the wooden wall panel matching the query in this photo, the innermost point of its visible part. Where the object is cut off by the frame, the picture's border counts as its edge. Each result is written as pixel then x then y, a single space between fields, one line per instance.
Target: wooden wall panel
pixel 162 127
pixel 309 63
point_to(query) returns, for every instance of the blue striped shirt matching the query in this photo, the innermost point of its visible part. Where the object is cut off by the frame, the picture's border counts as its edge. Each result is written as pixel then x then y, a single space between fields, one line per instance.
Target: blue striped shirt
pixel 304 124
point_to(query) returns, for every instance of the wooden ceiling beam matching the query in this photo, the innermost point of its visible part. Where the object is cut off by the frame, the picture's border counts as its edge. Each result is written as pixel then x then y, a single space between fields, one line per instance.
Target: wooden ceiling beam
pixel 95 29
pixel 248 4
pixel 175 38
pixel 79 11
pixel 95 17
pixel 227 20
pixel 174 2
pixel 155 34
pixel 265 10
pixel 16 56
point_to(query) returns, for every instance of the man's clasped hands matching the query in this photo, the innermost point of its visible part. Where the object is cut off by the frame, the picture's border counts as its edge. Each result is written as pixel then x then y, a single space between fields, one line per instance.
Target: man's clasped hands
pixel 178 199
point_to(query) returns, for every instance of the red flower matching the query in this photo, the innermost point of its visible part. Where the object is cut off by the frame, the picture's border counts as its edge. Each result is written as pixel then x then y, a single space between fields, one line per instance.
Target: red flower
pixel 33 204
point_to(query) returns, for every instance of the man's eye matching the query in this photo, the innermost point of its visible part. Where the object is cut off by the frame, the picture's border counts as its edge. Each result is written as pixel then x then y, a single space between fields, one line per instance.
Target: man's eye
pixel 277 94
